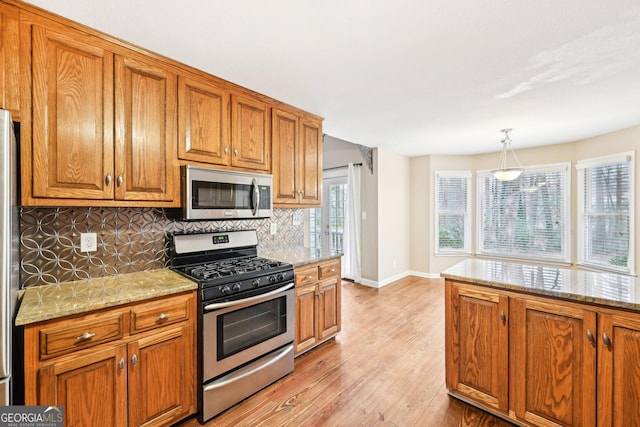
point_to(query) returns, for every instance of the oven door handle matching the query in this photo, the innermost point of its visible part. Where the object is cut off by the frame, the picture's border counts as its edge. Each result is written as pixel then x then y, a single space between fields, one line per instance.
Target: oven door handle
pixel 268 363
pixel 219 305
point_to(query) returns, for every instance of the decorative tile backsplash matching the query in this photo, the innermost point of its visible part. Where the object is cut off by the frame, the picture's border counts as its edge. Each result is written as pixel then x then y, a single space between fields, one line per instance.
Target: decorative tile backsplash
pixel 129 240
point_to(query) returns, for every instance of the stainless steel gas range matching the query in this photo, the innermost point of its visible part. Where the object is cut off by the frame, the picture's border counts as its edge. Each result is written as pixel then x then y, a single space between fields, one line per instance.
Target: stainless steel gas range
pixel 246 315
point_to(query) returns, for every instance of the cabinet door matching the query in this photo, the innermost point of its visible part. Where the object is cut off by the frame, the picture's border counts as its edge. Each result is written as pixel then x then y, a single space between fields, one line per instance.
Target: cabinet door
pixel 553 363
pixel 145 108
pixel 306 317
pixel 92 388
pixel 310 178
pixel 477 344
pixel 618 369
pixel 285 164
pixel 250 133
pixel 72 116
pixel 10 60
pixel 202 122
pixel 161 377
pixel 329 308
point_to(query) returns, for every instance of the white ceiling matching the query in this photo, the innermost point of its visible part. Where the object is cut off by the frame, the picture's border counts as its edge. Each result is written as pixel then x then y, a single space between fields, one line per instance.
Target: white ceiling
pixel 412 76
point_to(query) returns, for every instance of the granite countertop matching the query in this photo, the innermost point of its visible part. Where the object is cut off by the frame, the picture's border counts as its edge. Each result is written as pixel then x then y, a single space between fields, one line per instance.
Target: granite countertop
pixel 301 256
pixel 52 301
pixel 608 289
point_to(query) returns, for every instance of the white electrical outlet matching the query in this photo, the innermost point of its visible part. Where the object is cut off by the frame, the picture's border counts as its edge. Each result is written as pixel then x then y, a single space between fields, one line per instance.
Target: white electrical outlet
pixel 88 242
pixel 274 228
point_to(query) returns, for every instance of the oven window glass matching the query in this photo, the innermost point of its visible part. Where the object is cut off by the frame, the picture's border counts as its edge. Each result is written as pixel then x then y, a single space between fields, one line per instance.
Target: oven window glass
pixel 246 327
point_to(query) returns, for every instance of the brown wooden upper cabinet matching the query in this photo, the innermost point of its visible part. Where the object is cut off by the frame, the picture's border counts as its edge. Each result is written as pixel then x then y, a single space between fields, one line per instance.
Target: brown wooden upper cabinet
pixel 250 133
pixel 203 117
pixel 9 60
pixel 297 159
pixel 103 130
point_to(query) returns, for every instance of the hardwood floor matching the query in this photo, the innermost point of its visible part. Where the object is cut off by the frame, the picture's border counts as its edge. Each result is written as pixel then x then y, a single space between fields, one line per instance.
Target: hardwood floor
pixel 386 367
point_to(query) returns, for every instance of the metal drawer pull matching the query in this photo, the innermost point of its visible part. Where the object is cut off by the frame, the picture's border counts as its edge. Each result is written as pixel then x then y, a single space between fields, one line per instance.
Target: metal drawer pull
pixel 85 336
pixel 163 316
pixel 503 317
pixel 333 270
pixel 309 277
pixel 606 340
pixel 590 336
pixel 134 360
pixel 121 364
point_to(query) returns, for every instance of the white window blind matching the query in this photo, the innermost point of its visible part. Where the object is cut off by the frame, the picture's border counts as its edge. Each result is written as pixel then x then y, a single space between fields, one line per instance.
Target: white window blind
pixel 453 197
pixel 527 217
pixel 605 212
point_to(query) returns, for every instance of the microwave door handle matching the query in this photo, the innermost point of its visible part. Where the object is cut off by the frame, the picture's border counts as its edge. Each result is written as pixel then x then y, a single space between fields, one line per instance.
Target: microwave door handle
pixel 256 197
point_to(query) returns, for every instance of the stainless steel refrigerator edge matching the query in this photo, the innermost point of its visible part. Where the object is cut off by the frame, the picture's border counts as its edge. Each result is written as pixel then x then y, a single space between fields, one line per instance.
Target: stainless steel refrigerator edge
pixel 9 268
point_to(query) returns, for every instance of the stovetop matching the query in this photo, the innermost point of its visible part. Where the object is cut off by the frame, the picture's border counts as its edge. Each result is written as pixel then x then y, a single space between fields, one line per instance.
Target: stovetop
pixel 226 265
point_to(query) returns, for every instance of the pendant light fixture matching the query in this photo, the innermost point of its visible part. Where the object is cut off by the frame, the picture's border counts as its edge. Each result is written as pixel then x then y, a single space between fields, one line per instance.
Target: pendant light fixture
pixel 503 173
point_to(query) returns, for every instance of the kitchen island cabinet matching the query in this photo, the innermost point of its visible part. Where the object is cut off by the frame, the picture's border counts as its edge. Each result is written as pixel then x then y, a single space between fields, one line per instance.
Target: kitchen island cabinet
pixel 573 340
pixel 130 364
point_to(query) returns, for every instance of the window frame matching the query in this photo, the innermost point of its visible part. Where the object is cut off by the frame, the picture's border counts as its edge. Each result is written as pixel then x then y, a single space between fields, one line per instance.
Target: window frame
pixel 468 223
pixel 564 257
pixel 581 167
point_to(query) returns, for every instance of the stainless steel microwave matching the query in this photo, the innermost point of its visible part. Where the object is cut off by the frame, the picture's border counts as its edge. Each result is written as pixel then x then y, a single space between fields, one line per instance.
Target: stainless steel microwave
pixel 209 193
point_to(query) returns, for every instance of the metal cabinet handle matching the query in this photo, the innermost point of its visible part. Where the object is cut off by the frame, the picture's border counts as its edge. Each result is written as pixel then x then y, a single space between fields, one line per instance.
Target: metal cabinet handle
pixel 503 317
pixel 119 181
pixel 606 340
pixel 163 316
pixel 121 364
pixel 85 336
pixel 235 152
pixel 134 360
pixel 590 336
pixel 333 270
pixel 107 179
pixel 309 277
pixel 226 150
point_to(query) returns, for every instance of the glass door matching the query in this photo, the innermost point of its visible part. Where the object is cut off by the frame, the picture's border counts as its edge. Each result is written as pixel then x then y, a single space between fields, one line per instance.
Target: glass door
pixel 327 228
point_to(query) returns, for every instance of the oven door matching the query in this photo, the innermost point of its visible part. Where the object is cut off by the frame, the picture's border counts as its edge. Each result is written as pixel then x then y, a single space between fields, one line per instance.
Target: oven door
pixel 236 332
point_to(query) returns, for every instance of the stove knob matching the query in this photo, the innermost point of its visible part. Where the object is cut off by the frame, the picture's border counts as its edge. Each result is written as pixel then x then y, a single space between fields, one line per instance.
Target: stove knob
pixel 280 277
pixel 236 287
pixel 272 279
pixel 255 283
pixel 224 290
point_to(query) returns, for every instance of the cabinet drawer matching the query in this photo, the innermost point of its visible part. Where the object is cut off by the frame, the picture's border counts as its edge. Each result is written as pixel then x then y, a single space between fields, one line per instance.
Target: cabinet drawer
pixel 81 333
pixel 306 275
pixel 159 313
pixel 329 269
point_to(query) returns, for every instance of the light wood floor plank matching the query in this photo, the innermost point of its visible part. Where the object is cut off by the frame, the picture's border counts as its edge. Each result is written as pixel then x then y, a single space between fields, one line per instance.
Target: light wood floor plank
pixel 386 367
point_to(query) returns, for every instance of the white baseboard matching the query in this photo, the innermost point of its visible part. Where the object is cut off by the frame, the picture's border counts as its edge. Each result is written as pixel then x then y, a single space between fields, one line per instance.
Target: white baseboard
pixel 376 284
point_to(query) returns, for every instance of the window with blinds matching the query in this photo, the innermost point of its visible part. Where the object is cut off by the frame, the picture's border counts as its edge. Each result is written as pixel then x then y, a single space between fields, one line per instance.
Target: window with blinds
pixel 605 212
pixel 453 197
pixel 527 217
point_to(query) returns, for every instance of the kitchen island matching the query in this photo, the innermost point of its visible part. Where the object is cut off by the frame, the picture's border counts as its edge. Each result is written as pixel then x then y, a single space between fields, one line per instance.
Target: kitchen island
pixel 542 345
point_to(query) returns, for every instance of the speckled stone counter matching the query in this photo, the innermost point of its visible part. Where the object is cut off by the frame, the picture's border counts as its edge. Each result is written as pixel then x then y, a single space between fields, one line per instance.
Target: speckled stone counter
pixel 607 289
pixel 53 301
pixel 301 256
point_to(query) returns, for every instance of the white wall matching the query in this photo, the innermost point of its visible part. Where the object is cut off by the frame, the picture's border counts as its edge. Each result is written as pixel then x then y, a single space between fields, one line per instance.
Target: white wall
pixel 394 185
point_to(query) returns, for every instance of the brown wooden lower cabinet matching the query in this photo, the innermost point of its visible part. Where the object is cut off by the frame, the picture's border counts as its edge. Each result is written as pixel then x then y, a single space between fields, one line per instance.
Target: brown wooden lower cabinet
pixel 317 305
pixel 542 361
pixel 133 378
